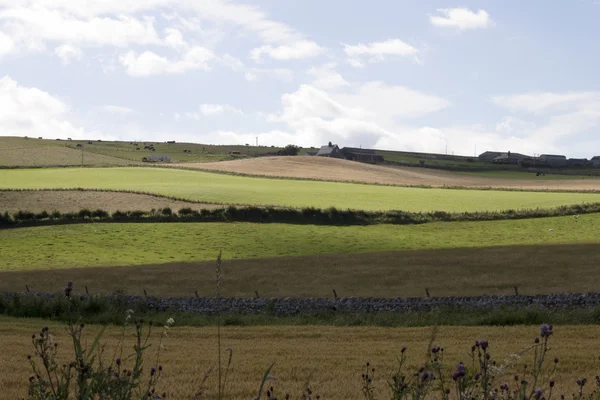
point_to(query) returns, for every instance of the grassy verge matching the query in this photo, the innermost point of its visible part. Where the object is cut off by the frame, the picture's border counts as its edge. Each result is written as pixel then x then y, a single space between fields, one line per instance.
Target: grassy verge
pixel 108 244
pixel 220 188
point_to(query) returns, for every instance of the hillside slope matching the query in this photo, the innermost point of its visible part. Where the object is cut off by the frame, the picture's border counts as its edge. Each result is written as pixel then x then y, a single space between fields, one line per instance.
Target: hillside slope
pixel 331 169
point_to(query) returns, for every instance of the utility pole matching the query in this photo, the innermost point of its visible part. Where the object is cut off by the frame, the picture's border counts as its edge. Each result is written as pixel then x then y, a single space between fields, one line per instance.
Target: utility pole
pixel 257 141
pixel 82 154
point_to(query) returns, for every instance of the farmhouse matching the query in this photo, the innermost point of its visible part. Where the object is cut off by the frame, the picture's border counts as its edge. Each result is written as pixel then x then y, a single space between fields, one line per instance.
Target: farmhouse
pixel 509 158
pixel 596 161
pixel 554 160
pixel 489 155
pixel 330 150
pixel 156 158
pixel 578 162
pixel 362 155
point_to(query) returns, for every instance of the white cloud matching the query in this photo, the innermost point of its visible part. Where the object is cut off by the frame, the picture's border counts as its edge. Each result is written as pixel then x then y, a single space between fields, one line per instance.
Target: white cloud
pixel 6 44
pixel 293 51
pixel 149 63
pixel 68 53
pixel 326 77
pixel 27 111
pixel 282 74
pixel 461 18
pixel 217 109
pixel 388 47
pixel 542 102
pixel 120 110
pixel 174 39
pixel 356 63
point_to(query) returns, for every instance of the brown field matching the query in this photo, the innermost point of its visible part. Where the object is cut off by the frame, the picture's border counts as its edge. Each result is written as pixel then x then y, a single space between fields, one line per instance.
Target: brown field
pixel 322 168
pixel 455 272
pixel 16 151
pixel 72 201
pixel 330 359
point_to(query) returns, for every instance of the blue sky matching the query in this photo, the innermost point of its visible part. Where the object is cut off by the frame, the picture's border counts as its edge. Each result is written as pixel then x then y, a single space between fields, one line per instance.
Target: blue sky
pixel 424 75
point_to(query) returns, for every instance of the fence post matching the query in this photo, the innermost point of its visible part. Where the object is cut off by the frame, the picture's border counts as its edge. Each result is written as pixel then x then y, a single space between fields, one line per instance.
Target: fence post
pixel 196 293
pixel 427 291
pixel 27 287
pixel 516 291
pixel 335 294
pixel 145 294
pixel 86 290
pixel 256 293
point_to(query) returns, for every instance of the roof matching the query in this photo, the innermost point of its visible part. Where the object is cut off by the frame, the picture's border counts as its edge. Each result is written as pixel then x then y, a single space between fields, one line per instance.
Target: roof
pixel 552 155
pixel 490 153
pixel 325 150
pixel 596 158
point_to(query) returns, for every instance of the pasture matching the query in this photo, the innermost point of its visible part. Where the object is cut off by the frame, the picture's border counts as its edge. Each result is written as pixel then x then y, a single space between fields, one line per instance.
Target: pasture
pixel 540 269
pixel 111 244
pixel 329 359
pixel 228 189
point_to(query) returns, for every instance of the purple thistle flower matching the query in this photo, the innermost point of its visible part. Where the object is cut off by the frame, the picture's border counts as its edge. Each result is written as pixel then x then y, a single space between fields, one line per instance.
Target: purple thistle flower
pixel 545 330
pixel 538 393
pixel 504 386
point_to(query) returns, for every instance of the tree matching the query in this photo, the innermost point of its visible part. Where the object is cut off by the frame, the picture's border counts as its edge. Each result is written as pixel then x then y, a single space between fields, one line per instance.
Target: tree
pixel 289 150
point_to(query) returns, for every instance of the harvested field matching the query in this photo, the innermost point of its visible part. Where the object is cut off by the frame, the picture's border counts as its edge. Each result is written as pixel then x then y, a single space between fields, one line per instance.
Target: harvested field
pixel 467 272
pixel 73 201
pixel 330 359
pixel 323 168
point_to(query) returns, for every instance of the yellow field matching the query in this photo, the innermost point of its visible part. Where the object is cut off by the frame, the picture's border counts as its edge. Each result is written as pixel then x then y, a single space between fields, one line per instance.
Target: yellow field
pixel 332 169
pixel 330 359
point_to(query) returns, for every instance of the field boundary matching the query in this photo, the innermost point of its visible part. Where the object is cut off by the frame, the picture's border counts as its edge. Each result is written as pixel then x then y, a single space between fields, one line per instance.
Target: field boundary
pixel 304 216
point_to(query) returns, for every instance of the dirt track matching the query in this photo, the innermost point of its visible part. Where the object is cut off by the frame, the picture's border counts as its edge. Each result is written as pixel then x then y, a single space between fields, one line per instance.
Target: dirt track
pixel 342 170
pixel 71 201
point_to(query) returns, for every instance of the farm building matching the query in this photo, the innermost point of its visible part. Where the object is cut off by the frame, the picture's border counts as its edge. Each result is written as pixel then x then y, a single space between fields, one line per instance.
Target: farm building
pixel 596 161
pixel 362 155
pixel 578 162
pixel 488 156
pixel 509 158
pixel 554 160
pixel 330 150
pixel 156 158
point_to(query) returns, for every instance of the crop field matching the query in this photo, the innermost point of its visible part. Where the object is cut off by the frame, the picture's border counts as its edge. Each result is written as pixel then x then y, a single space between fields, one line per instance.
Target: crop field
pixel 107 244
pixel 221 188
pixel 331 360
pixel 332 169
pixel 540 269
pixel 75 200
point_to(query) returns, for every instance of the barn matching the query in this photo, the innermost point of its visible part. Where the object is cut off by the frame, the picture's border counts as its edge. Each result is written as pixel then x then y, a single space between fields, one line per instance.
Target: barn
pixel 330 150
pixel 361 155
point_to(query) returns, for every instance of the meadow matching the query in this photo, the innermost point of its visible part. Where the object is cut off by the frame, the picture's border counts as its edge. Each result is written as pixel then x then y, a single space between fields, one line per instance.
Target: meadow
pixel 228 189
pixel 108 244
pixel 329 359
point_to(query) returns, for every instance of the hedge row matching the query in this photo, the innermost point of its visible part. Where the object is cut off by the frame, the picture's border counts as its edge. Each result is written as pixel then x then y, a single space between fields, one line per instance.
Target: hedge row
pixel 313 216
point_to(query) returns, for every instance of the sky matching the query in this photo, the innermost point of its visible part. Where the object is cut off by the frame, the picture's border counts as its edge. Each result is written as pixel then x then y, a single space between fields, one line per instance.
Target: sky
pixel 456 77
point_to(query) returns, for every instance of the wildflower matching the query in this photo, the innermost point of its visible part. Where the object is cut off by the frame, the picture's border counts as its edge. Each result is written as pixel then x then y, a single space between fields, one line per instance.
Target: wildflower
pixel 483 344
pixel 170 322
pixel 504 386
pixel 551 383
pixel 118 361
pixel 545 330
pixel 461 370
pixel 538 393
pixel 152 371
pixel 556 360
pixel 403 350
pixel 536 341
pixel 435 349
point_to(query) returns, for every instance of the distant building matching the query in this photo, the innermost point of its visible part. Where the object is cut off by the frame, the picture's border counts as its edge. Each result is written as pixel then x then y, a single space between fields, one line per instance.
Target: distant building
pixel 578 162
pixel 156 158
pixel 310 153
pixel 330 150
pixel 488 156
pixel 596 161
pixel 509 158
pixel 554 160
pixel 362 155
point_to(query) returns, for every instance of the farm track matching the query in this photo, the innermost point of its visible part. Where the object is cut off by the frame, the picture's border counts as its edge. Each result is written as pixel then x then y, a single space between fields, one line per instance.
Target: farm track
pixel 541 269
pixel 330 169
pixel 75 200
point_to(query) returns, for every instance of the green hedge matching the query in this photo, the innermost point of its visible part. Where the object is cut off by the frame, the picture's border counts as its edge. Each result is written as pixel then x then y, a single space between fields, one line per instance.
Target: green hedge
pixel 313 216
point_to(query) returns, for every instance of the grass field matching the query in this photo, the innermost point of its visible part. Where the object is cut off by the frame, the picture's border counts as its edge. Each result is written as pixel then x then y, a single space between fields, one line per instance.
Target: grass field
pixel 541 269
pixel 221 188
pixel 37 153
pixel 76 200
pixel 520 175
pixel 108 244
pixel 330 359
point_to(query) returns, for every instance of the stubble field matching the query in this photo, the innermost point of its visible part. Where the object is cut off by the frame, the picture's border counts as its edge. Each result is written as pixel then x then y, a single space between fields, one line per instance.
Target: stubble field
pixel 329 359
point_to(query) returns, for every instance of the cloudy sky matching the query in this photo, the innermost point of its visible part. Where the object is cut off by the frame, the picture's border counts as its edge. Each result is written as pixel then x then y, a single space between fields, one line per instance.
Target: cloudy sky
pixel 412 75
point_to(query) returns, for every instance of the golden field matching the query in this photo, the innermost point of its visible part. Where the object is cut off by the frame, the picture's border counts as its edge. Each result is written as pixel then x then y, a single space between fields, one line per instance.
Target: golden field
pixel 330 359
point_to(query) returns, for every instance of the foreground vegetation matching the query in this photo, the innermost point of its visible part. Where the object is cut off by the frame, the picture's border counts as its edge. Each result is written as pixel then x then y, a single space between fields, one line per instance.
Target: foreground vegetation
pixel 329 360
pixel 107 244
pixel 228 189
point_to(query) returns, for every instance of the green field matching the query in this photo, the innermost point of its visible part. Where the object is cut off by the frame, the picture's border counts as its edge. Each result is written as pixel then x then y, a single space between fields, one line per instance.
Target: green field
pixel 529 175
pixel 109 244
pixel 228 189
